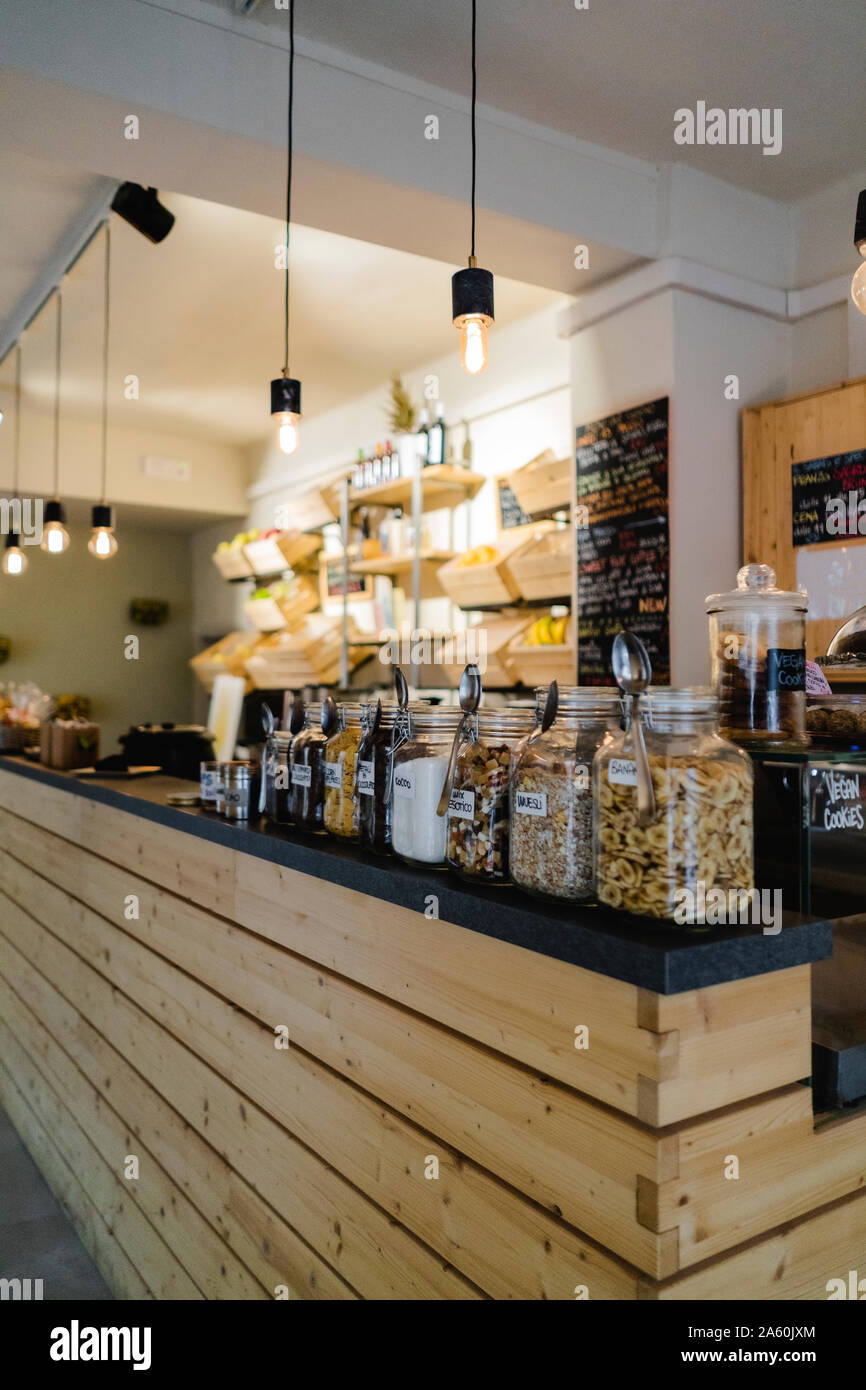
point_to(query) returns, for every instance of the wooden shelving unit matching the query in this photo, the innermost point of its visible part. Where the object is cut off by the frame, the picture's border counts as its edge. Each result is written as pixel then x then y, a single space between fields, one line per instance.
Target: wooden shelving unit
pixel 443 486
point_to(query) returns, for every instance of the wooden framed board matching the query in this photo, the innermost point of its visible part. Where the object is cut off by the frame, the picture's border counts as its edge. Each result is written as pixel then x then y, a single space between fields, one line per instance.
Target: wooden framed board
pixel 623 549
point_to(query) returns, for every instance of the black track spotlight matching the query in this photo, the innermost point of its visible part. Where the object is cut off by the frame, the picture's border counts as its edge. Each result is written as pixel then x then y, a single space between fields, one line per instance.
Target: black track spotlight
pixel 141 208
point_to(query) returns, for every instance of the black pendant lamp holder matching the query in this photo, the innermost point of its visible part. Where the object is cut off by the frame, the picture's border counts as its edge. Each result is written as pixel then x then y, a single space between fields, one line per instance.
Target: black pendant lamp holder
pixel 285 389
pixel 54 511
pixel 102 516
pixel 285 396
pixel 471 294
pixel 13 541
pixel 860 224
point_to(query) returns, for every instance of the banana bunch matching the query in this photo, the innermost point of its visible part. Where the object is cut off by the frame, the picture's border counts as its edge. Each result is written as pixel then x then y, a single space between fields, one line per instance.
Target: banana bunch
pixel 547 632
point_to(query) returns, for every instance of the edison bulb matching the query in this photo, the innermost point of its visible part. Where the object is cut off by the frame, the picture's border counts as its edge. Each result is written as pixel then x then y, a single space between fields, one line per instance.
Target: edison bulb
pixel 858 287
pixel 288 434
pixel 473 344
pixel 55 537
pixel 102 543
pixel 14 560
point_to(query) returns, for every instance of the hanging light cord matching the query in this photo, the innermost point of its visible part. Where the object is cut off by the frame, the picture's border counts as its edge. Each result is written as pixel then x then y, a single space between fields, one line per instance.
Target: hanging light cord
pixel 474 84
pixel 105 323
pixel 289 172
pixel 17 453
pixel 57 348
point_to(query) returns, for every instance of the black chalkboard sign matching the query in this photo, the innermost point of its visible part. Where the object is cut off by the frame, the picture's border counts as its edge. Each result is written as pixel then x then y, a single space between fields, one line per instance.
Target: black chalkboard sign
pixel 828 498
pixel 511 513
pixel 623 550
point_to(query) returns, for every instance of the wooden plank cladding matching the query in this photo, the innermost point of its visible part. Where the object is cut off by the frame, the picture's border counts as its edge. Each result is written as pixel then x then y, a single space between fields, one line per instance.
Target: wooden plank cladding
pixel 430 1131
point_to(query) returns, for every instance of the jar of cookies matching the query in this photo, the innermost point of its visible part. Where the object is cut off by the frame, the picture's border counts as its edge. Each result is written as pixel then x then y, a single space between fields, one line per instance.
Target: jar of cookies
pixel 341 753
pixel 551 794
pixel 699 840
pixel 758 659
pixel 479 811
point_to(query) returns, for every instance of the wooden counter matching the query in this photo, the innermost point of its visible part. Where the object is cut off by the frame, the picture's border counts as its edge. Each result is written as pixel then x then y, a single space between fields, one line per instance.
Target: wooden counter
pixel 431 1131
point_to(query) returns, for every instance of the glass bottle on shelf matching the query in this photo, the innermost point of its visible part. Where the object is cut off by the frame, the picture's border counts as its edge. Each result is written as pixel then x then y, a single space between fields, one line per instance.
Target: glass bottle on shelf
pixel 436 440
pixel 701 836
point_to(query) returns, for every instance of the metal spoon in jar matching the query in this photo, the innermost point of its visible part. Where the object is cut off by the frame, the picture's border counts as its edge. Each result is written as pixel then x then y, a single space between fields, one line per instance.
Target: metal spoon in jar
pixel 633 673
pixel 469 694
pixel 401 690
pixel 330 716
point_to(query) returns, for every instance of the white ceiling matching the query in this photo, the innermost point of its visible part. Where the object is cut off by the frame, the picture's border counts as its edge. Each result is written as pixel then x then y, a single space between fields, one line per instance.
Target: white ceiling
pixel 614 73
pixel 199 317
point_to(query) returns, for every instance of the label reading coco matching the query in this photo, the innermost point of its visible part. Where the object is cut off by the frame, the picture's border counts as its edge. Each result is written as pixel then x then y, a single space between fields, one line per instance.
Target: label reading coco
pixel 302 776
pixel 365 779
pixel 531 803
pixel 404 783
pixel 622 771
pixel 333 775
pixel 462 804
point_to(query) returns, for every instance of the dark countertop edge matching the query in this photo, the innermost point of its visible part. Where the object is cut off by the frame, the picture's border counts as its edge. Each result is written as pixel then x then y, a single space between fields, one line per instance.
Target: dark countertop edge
pixel 634 950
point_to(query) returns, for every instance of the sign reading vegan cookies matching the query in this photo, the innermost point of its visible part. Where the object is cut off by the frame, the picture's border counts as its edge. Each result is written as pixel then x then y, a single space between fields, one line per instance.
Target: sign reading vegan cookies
pixel 623 549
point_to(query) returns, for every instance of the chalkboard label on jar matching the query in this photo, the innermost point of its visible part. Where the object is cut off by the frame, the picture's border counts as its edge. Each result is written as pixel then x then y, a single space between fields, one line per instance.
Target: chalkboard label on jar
pixel 404 784
pixel 622 771
pixel 302 776
pixel 531 803
pixel 365 779
pixel 333 775
pixel 462 804
pixel 786 668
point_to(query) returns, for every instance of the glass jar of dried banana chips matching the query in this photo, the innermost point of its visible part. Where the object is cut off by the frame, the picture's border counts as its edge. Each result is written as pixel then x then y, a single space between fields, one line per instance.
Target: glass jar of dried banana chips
pixel 699 841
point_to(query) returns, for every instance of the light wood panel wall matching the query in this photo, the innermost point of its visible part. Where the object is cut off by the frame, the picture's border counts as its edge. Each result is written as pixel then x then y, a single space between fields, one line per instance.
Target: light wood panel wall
pixel 410 1040
pixel 775 436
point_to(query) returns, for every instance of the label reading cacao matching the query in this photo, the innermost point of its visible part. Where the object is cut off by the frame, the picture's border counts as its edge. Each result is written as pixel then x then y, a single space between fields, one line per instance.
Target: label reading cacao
pixel 531 803
pixel 404 783
pixel 786 668
pixel 302 776
pixel 237 796
pixel 462 804
pixel 333 775
pixel 622 771
pixel 365 779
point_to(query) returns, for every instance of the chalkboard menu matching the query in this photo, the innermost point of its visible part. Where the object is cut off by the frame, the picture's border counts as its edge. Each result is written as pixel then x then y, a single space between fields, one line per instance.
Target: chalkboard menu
pixel 359 585
pixel 511 513
pixel 829 498
pixel 623 550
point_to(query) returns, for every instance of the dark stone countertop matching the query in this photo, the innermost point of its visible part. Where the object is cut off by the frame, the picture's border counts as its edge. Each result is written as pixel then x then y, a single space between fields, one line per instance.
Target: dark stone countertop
pixel 634 949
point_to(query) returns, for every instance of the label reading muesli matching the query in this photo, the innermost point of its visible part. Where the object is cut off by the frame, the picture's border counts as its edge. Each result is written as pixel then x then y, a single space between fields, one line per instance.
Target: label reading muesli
pixel 333 775
pixel 531 803
pixel 365 779
pixel 462 804
pixel 302 776
pixel 404 783
pixel 622 771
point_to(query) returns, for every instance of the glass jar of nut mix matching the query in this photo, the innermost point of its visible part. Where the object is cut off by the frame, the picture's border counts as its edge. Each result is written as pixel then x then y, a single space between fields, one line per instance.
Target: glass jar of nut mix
pixel 419 835
pixel 479 814
pixel 700 838
pixel 341 753
pixel 307 774
pixel 551 794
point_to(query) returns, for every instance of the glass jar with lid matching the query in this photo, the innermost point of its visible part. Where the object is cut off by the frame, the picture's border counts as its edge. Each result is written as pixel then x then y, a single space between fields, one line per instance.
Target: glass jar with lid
pixel 758 658
pixel 276 771
pixel 382 727
pixel 307 774
pixel 551 793
pixel 478 811
pixel 698 838
pixel 419 835
pixel 341 755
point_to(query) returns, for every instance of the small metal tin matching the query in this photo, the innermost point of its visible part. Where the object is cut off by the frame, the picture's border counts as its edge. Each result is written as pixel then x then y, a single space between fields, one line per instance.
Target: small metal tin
pixel 239 789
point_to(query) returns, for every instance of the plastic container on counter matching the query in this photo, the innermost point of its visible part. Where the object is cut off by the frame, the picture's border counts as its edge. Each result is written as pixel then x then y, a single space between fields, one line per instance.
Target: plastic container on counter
pixel 758 659
pixel 277 773
pixel 419 835
pixel 701 836
pixel 479 812
pixel 341 755
pixel 307 774
pixel 551 794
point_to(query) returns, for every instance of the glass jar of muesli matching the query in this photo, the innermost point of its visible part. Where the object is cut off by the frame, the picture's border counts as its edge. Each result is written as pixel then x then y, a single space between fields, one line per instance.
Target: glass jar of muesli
pixel 698 849
pixel 551 794
pixel 341 755
pixel 307 774
pixel 479 812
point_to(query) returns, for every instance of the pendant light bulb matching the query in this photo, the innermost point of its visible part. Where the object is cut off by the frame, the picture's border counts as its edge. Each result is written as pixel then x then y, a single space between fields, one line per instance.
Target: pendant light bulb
pixel 286 410
pixel 55 537
pixel 473 344
pixel 858 284
pixel 285 389
pixel 102 543
pixel 858 287
pixel 472 288
pixel 14 559
pixel 288 433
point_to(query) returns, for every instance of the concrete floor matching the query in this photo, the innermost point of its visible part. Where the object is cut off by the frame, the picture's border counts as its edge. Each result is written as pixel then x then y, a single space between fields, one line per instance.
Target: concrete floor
pixel 36 1239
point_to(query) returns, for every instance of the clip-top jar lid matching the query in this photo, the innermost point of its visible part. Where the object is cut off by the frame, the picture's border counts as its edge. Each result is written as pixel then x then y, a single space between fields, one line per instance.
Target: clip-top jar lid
pixel 756 586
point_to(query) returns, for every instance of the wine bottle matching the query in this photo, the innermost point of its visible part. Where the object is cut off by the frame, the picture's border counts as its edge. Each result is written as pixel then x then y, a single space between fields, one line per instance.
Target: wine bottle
pixel 436 439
